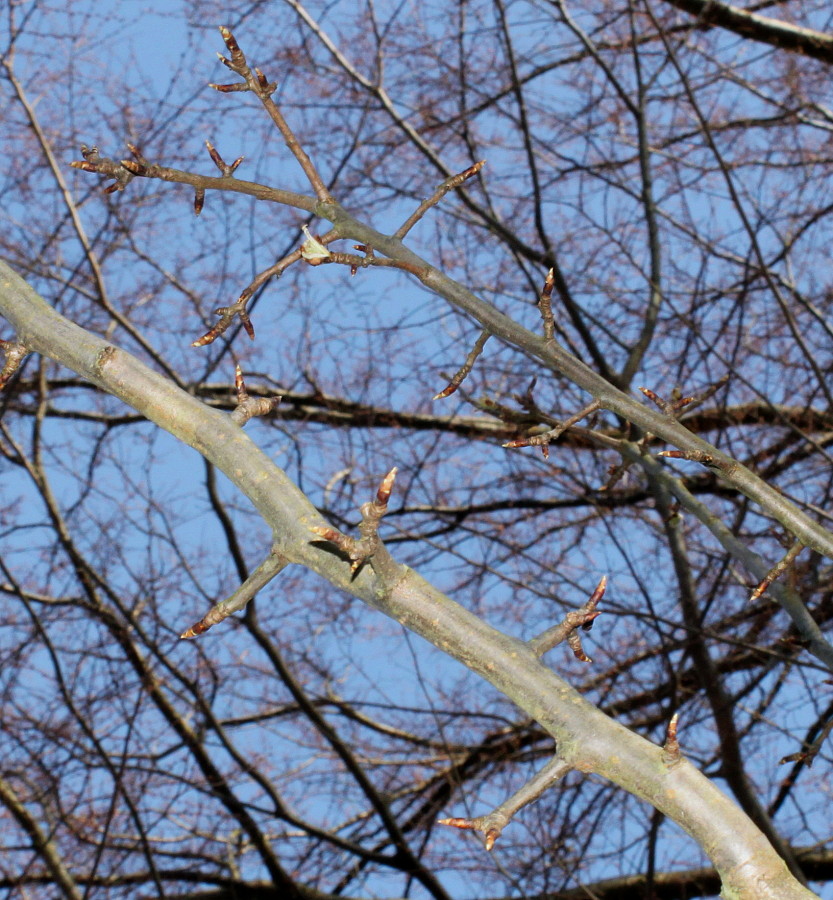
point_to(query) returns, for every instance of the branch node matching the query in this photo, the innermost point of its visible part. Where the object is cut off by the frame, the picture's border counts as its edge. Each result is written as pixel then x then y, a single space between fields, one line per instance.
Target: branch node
pixel 543 440
pixel 671 407
pixel 358 551
pixel 226 170
pixel 227 315
pixel 109 168
pixel 487 825
pixel 493 824
pixel 248 407
pixel 267 88
pixel 583 618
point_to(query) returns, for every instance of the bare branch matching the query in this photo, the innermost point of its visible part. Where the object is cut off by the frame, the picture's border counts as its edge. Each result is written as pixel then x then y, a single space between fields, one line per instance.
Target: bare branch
pixel 492 824
pixel 776 572
pixel 448 185
pixel 262 575
pixel 763 29
pixel 459 377
pixel 566 630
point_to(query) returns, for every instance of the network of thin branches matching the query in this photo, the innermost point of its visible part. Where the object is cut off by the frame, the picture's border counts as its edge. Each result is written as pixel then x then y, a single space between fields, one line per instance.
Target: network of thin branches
pixel 673 177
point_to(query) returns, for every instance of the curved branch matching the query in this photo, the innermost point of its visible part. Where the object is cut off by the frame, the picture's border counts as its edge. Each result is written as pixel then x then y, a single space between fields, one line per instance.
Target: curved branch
pixel 587 740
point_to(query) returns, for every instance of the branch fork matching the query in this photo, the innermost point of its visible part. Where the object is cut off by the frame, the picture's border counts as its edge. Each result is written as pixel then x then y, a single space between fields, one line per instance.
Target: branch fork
pixel 226 169
pixel 567 630
pixel 248 407
pixel 358 551
pixel 673 407
pixel 543 440
pixel 227 316
pixel 256 82
pixel 109 168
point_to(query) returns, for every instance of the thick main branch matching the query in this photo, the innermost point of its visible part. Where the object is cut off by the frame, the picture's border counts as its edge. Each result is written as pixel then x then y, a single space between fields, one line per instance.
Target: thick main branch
pixel 587 740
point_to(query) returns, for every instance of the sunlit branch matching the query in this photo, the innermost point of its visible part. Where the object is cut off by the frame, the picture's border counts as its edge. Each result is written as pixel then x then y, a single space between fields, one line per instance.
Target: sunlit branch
pixel 403 595
pixel 492 824
pixel 448 185
pixel 263 90
pixel 817 644
pixel 460 375
pixel 543 440
pixel 566 630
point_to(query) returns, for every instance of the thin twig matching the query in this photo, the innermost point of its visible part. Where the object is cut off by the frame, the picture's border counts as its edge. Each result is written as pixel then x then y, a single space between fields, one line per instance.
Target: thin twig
pixel 492 825
pixel 566 630
pixel 459 377
pixel 262 89
pixel 261 576
pixel 776 571
pixel 448 185
pixel 545 306
pixel 543 440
